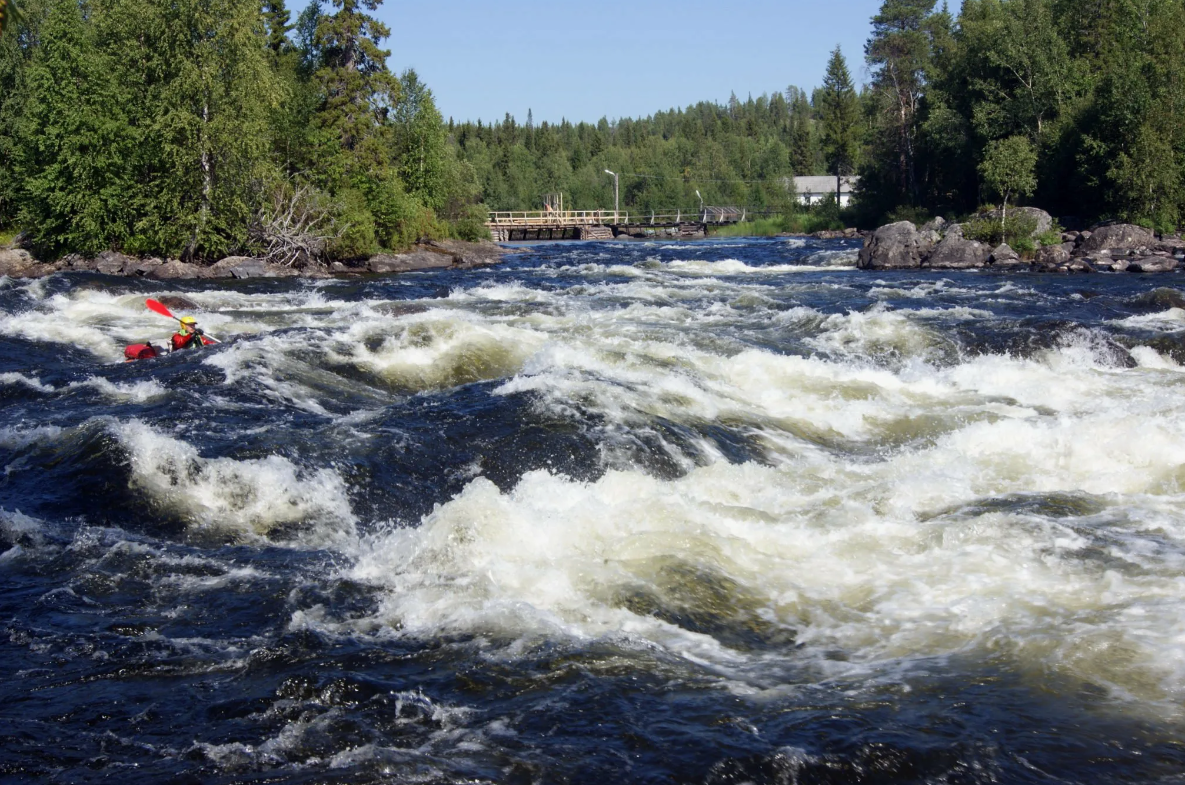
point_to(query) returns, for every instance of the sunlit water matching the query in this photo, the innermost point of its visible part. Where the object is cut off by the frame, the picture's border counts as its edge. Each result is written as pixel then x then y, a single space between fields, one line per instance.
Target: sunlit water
pixel 711 512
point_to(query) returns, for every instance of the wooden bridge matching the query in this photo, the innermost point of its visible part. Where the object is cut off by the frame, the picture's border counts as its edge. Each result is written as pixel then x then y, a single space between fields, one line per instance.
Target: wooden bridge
pixel 606 224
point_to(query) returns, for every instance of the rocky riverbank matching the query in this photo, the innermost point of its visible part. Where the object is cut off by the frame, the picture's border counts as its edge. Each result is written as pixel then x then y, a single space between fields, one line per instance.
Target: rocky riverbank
pixel 428 255
pixel 939 245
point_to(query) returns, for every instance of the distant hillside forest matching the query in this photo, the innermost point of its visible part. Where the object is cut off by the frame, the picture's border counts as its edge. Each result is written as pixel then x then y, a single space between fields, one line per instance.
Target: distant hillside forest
pixel 200 128
pixel 1074 105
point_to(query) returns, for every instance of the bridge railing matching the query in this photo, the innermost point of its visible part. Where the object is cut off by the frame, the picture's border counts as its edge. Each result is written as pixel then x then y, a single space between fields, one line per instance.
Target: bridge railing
pixel 511 218
pixel 665 216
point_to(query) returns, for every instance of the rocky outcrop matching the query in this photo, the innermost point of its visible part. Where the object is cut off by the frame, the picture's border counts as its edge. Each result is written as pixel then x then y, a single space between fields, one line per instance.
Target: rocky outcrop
pixel 1117 237
pixel 13 263
pixel 1050 257
pixel 1004 256
pixel 1152 264
pixel 177 270
pixel 407 262
pixel 895 246
pixel 250 267
pixel 467 256
pixel 941 245
pixel 1043 219
pixel 955 252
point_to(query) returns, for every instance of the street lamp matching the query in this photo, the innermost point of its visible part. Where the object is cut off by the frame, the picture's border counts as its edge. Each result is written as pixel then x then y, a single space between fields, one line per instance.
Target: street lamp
pixel 615 192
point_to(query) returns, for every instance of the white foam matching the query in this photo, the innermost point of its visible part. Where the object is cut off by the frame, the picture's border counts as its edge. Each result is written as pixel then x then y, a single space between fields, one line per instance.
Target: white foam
pixel 248 498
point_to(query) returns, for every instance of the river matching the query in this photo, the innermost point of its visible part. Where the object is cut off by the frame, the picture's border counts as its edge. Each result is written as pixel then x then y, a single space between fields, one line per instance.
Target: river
pixel 725 511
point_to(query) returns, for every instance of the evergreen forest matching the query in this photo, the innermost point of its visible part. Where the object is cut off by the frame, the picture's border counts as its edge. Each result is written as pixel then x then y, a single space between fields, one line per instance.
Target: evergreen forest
pixel 201 128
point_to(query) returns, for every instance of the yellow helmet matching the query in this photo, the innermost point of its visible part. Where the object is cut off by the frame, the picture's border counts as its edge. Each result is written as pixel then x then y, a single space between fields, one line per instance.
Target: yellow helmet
pixel 188 320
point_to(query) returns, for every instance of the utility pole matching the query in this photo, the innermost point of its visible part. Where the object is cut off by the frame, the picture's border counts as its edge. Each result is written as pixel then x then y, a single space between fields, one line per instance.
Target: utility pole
pixel 615 193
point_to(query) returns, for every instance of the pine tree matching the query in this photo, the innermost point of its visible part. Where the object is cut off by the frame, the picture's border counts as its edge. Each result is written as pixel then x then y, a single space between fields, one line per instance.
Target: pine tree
pixel 276 14
pixel 899 51
pixel 358 90
pixel 839 114
pixel 74 141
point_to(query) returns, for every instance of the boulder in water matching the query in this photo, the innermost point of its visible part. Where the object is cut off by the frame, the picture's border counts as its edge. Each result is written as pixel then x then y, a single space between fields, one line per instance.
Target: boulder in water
pixel 957 253
pixel 895 246
pixel 1117 237
pixel 1153 264
pixel 1004 256
pixel 175 269
pixel 14 262
pixel 175 302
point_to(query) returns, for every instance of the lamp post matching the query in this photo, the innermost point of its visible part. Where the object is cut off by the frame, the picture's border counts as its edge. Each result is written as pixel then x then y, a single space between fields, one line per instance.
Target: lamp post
pixel 701 205
pixel 615 192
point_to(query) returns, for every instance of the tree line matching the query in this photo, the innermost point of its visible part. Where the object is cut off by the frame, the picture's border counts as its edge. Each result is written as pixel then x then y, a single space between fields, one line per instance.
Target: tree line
pixel 1077 104
pixel 207 127
pixel 200 128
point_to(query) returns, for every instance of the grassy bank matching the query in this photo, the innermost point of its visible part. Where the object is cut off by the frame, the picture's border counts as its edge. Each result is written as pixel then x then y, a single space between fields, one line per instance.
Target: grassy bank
pixel 791 223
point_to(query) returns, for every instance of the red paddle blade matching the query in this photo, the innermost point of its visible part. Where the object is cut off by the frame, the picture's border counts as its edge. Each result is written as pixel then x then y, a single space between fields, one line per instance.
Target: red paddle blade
pixel 154 305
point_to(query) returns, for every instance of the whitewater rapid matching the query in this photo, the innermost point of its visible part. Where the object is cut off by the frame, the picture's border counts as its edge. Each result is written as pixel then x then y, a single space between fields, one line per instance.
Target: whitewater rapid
pixel 773 473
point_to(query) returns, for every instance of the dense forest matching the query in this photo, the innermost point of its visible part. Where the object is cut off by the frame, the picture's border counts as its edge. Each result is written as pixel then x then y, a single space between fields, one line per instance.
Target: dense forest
pixel 197 128
pixel 1078 105
pixel 205 127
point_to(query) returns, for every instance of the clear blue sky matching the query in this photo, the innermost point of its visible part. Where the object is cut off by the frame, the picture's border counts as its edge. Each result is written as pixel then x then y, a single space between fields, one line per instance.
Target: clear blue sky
pixel 587 60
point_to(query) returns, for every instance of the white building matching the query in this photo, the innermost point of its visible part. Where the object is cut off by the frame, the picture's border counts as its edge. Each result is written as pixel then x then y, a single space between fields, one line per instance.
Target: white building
pixel 813 190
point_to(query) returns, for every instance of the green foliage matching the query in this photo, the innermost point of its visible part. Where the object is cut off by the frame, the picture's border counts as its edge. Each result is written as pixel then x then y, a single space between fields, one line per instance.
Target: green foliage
pixel 355 235
pixel 471 225
pixel 1096 88
pixel 1007 170
pixel 1017 231
pixel 840 114
pixel 1052 236
pixel 73 141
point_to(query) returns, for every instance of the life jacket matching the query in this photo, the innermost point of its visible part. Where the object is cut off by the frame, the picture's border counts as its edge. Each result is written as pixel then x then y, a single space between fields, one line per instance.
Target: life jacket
pixel 188 341
pixel 140 351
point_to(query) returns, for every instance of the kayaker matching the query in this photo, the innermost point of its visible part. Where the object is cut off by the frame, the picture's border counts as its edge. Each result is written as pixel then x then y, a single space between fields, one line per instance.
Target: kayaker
pixel 189 336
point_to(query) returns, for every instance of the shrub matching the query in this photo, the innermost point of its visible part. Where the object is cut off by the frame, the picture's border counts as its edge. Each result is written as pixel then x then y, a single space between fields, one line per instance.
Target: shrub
pixel 471 224
pixel 1018 229
pixel 353 226
pixel 915 215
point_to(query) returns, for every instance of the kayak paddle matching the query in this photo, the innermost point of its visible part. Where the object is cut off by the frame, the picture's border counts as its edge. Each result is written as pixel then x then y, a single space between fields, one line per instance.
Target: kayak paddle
pixel 159 307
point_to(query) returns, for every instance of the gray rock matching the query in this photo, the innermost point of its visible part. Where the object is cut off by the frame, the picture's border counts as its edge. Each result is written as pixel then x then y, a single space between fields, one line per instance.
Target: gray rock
pixel 406 262
pixel 895 246
pixel 937 224
pixel 1153 264
pixel 14 261
pixel 1106 264
pixel 113 263
pixel 250 267
pixel 1051 257
pixel 175 269
pixel 468 255
pixel 177 302
pixel 956 253
pixel 1117 237
pixel 1069 237
pixel 142 266
pixel 1004 256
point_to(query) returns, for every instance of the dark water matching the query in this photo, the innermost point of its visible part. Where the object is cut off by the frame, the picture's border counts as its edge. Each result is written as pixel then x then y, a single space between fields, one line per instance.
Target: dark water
pixel 713 512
